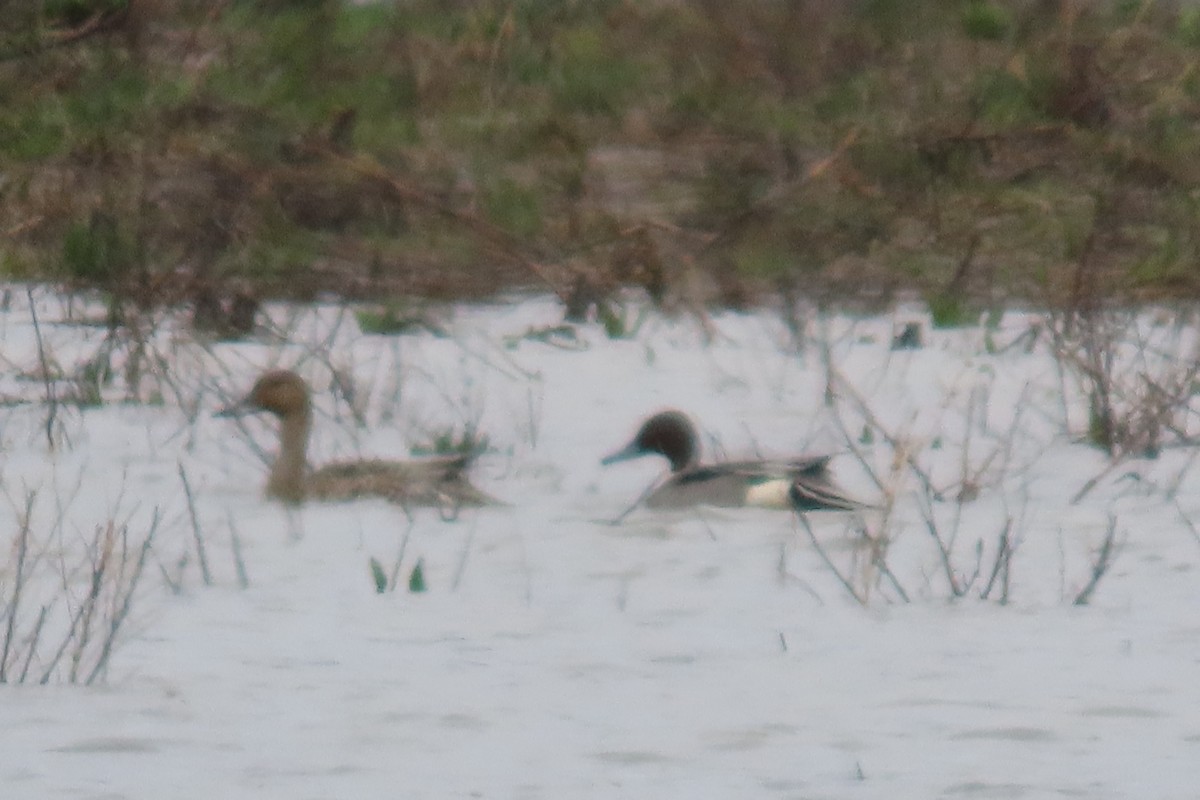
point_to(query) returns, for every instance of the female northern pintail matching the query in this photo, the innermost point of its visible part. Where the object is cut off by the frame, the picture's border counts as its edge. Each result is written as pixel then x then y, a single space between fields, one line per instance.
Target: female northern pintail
pixel 801 483
pixel 439 482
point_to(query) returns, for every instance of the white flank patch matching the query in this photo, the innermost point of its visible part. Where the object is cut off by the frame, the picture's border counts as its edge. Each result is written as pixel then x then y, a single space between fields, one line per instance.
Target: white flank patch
pixel 769 494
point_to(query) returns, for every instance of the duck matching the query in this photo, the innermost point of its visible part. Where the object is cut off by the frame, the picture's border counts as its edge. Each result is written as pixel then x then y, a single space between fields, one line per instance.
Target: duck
pixel 801 483
pixel 438 482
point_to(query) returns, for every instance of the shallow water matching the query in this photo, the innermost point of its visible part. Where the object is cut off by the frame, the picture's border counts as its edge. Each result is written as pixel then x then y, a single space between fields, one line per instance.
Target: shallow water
pixel 708 654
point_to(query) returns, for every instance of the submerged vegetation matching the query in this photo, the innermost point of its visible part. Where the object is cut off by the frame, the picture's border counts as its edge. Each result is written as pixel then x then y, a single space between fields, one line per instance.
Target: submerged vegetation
pixel 709 152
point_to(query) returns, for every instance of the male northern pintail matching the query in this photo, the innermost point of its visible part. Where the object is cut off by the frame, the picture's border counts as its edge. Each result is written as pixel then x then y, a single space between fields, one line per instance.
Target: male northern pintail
pixel 439 482
pixel 801 483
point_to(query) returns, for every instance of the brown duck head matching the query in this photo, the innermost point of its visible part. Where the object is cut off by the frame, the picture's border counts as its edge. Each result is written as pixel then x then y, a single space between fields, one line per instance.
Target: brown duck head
pixel 280 392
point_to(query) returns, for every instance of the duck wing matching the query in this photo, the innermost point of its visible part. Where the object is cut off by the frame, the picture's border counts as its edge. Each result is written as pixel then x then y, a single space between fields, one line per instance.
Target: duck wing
pixel 811 488
pixel 813 467
pixel 439 481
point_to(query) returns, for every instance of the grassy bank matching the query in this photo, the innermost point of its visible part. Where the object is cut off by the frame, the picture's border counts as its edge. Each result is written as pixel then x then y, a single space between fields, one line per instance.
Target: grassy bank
pixel 711 152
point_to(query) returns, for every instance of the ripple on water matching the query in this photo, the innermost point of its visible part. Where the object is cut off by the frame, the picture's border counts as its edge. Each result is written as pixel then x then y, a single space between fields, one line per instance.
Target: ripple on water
pixel 674 658
pixel 463 722
pixel 631 757
pixel 1121 712
pixel 1010 734
pixel 745 739
pixel 109 744
pixel 989 791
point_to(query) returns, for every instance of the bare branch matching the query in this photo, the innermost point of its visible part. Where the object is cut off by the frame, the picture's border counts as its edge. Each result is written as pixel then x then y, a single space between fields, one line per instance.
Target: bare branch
pixel 198 536
pixel 235 542
pixel 943 552
pixel 1001 562
pixel 1101 563
pixel 14 601
pixel 123 597
pixel 847 584
pixel 51 398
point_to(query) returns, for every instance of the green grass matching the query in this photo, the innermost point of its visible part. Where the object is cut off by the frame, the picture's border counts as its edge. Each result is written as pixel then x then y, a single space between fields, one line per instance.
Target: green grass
pixel 97 251
pixel 951 310
pixel 782 137
pixel 416 578
pixel 389 321
pixel 76 12
pixel 586 75
pixel 395 319
pixel 985 21
pixel 32 134
pixel 109 105
pixel 514 207
pixel 379 578
pixel 1004 99
pixel 763 259
pixel 279 251
pixel 1187 31
pixel 621 321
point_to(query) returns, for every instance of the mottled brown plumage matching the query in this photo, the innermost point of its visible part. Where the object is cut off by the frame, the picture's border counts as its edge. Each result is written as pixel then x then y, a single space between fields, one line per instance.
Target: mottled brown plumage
pixel 439 482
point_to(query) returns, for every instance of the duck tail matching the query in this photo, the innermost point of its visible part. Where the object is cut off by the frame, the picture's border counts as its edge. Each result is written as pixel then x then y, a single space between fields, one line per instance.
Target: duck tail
pixel 809 494
pixel 455 486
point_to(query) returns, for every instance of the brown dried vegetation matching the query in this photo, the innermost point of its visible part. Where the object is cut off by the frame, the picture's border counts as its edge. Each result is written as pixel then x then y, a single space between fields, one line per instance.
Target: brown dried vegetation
pixel 974 151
